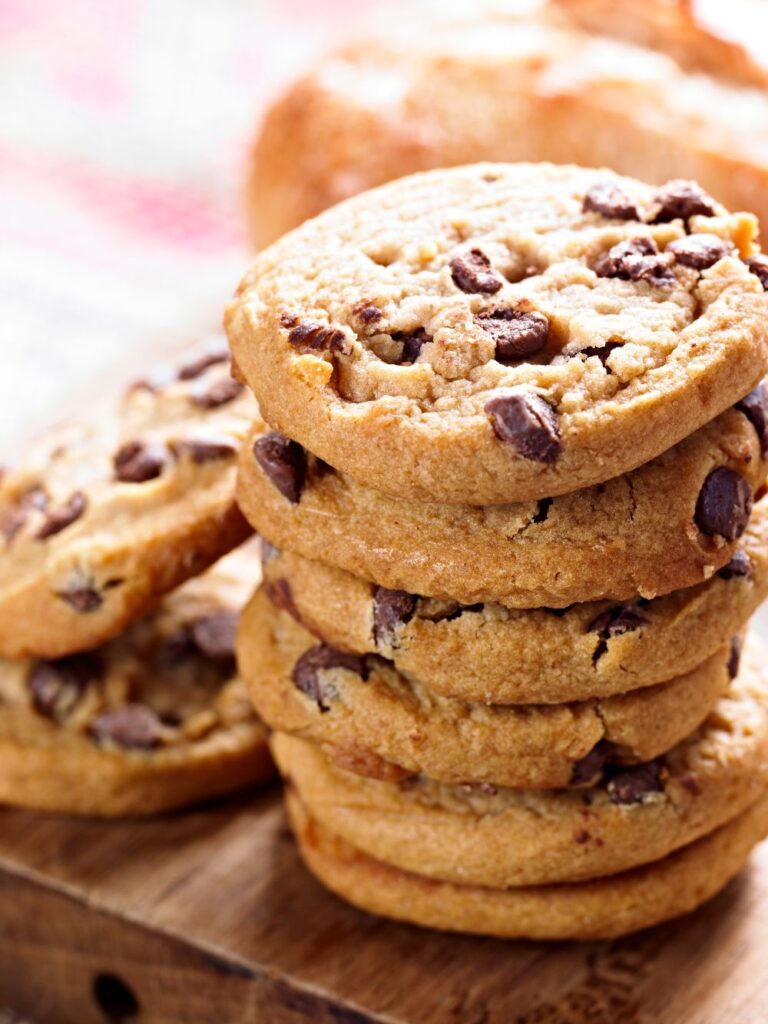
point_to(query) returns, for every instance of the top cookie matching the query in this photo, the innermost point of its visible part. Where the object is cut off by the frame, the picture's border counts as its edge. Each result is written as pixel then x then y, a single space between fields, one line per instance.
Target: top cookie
pixel 103 518
pixel 500 333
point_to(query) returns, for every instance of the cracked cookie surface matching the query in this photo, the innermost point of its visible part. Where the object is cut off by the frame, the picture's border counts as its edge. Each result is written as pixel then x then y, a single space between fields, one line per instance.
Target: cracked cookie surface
pixel 379 723
pixel 501 655
pixel 101 519
pixel 670 524
pixel 500 333
pixel 154 719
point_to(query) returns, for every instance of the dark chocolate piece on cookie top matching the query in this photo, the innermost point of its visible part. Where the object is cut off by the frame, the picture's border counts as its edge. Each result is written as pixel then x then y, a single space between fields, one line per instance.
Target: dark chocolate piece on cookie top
pixel 214 354
pixel 607 199
pixel 220 392
pixel 679 200
pixel 631 785
pixel 759 267
pixel 699 251
pixel 284 463
pixel 739 567
pixel 136 462
pixel 637 259
pixel 59 517
pixel 473 273
pixel 517 333
pixel 724 504
pixel 527 423
pixel 734 658
pixel 616 621
pixel 132 727
pixel 214 635
pixel 413 342
pixel 306 671
pixel 391 609
pixel 588 769
pixel 82 599
pixel 15 518
pixel 56 687
pixel 755 408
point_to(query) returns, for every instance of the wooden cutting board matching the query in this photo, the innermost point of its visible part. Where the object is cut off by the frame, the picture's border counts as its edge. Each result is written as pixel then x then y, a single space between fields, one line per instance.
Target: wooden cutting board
pixel 209 917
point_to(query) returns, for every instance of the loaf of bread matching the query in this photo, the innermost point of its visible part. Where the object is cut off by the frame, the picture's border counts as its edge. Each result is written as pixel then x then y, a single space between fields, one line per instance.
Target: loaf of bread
pixel 647 87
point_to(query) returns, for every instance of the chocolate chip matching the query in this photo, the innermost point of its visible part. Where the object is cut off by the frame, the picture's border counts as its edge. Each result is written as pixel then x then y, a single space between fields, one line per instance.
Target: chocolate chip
pixel 637 259
pixel 527 423
pixel 284 462
pixel 219 393
pixel 515 332
pixel 542 510
pixel 601 351
pixel 589 768
pixel 138 461
pixel 368 313
pixel 56 687
pixel 739 567
pixel 133 727
pixel 305 674
pixel 607 199
pixel 616 621
pixel 699 251
pixel 631 785
pixel 206 449
pixel 472 272
pixel 734 657
pixel 215 635
pixel 724 504
pixel 412 343
pixel 82 599
pixel 755 408
pixel 316 336
pixel 216 354
pixel 680 199
pixel 391 608
pixel 59 517
pixel 759 267
pixel 35 499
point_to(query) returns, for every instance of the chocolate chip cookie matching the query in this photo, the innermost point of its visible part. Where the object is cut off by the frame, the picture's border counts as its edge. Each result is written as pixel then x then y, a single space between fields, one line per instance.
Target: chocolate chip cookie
pixel 601 909
pixel 154 719
pixel 103 518
pixel 499 332
pixel 497 655
pixel 672 523
pixel 380 723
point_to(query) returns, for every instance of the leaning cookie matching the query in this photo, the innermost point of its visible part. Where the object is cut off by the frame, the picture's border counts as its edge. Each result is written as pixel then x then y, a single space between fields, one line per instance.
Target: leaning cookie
pixel 152 720
pixel 499 655
pixel 503 332
pixel 667 525
pixel 380 723
pixel 103 518
pixel 487 835
pixel 604 908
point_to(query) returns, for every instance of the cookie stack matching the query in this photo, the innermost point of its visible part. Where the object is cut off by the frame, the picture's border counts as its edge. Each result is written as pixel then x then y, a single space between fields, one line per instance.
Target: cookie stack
pixel 119 691
pixel 512 486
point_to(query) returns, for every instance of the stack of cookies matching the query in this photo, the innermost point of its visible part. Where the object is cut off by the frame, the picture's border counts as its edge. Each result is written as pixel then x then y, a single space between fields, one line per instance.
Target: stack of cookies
pixel 119 691
pixel 512 488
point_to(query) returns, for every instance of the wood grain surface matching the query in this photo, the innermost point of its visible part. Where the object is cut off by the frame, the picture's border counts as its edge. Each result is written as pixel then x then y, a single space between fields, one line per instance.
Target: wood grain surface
pixel 209 917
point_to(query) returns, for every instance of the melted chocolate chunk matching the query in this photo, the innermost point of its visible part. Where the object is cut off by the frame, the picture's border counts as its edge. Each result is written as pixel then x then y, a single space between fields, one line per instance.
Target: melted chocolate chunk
pixel 215 355
pixel 412 343
pixel 472 272
pixel 607 199
pixel 759 267
pixel 132 727
pixel 734 657
pixel 699 251
pixel 739 567
pixel 316 336
pixel 215 635
pixel 391 608
pixel 56 687
pixel 637 259
pixel 680 199
pixel 724 504
pixel 527 423
pixel 516 333
pixel 589 768
pixel 616 621
pixel 631 785
pixel 59 517
pixel 136 462
pixel 206 449
pixel 220 392
pixel 755 408
pixel 306 671
pixel 284 462
pixel 83 600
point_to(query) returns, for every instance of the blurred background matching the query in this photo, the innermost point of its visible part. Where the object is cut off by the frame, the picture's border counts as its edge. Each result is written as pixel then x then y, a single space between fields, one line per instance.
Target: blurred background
pixel 124 127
